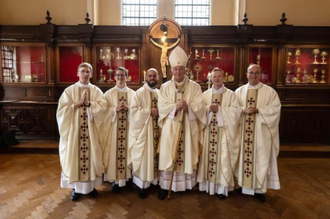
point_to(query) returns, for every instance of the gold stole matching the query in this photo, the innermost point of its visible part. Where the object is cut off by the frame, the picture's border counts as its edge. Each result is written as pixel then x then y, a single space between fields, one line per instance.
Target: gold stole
pixel 154 104
pixel 181 144
pixel 121 146
pixel 214 140
pixel 84 141
pixel 249 128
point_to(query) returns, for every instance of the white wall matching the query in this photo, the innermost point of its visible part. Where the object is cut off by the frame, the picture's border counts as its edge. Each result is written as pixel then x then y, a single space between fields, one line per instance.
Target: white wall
pixel 108 12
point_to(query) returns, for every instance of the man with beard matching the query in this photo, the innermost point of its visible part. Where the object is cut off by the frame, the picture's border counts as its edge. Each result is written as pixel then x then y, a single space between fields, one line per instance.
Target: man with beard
pixel 180 102
pixel 144 133
pixel 115 133
pixel 79 116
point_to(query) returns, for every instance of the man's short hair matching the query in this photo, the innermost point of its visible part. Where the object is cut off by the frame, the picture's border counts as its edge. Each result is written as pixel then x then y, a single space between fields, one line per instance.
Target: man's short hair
pixel 215 70
pixel 251 66
pixel 87 65
pixel 121 69
pixel 152 69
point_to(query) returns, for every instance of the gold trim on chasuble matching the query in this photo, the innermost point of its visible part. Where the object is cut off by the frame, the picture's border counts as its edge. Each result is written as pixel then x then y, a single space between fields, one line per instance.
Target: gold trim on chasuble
pixel 249 130
pixel 154 104
pixel 84 141
pixel 121 144
pixel 214 140
pixel 181 144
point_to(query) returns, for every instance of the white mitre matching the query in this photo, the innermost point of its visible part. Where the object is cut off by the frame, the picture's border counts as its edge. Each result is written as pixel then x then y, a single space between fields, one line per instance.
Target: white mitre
pixel 178 57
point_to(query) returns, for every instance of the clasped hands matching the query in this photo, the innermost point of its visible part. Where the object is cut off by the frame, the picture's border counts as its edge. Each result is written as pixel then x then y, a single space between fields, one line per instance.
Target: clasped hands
pixel 154 112
pixel 122 106
pixel 251 110
pixel 84 98
pixel 181 104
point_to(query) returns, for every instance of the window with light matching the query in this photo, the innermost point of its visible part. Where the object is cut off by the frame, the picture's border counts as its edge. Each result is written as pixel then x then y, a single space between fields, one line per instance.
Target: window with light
pixel 192 12
pixel 139 12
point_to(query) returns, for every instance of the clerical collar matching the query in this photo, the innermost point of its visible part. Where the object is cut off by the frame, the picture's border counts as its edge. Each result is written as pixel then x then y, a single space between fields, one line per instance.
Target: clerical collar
pixel 220 91
pixel 255 86
pixel 146 86
pixel 83 85
pixel 180 83
pixel 124 89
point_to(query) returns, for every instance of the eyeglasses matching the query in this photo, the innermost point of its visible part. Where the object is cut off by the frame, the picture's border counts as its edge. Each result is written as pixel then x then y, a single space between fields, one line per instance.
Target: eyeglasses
pixel 120 75
pixel 253 73
pixel 83 71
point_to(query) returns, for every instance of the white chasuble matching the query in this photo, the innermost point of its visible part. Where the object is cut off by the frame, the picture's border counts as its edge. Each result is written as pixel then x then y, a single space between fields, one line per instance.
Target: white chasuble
pixel 193 123
pixel 116 158
pixel 144 137
pixel 80 148
pixel 220 143
pixel 257 168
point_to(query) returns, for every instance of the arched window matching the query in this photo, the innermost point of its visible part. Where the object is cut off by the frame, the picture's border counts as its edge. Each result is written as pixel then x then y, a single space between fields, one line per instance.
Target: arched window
pixel 192 12
pixel 139 12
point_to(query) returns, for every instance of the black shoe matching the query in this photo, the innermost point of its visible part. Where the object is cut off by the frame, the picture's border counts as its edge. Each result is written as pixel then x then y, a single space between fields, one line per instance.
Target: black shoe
pixel 222 197
pixel 143 193
pixel 239 190
pixel 93 193
pixel 115 188
pixel 162 194
pixel 74 196
pixel 261 197
pixel 129 185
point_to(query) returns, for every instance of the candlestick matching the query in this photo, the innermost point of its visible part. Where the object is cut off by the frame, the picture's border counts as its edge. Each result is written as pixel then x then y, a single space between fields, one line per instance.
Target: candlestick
pixel 144 77
pixel 208 80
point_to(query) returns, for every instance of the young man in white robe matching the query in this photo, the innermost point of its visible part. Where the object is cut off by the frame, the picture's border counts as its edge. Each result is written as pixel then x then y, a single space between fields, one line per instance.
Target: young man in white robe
pixel 116 158
pixel 144 133
pixel 257 168
pixel 220 142
pixel 79 116
pixel 179 96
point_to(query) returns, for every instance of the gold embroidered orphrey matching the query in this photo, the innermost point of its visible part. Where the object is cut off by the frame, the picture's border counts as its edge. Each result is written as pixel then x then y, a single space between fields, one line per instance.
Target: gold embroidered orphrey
pixel 84 141
pixel 121 152
pixel 248 150
pixel 213 150
pixel 154 104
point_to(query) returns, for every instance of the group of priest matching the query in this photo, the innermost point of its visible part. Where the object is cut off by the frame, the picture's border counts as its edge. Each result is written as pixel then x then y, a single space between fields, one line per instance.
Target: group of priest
pixel 174 137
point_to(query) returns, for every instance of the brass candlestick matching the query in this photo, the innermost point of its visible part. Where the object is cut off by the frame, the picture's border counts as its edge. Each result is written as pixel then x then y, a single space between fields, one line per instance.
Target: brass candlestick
pixel 218 54
pixel 126 56
pixel 322 77
pixel 289 56
pixel 314 76
pixel 298 76
pixel 118 53
pixel 101 76
pixel 316 52
pixel 196 54
pixel 133 56
pixel 297 57
pixel 324 54
pixel 203 56
pixel 258 59
pixel 110 73
pixel 211 52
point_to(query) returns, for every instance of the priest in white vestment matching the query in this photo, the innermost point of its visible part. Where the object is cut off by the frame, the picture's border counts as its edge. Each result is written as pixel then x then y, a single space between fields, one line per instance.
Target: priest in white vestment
pixel 79 116
pixel 116 158
pixel 220 141
pixel 257 168
pixel 177 96
pixel 144 133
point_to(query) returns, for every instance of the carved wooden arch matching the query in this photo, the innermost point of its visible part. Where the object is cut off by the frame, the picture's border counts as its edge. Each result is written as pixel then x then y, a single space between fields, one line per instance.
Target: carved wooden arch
pixel 173 28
